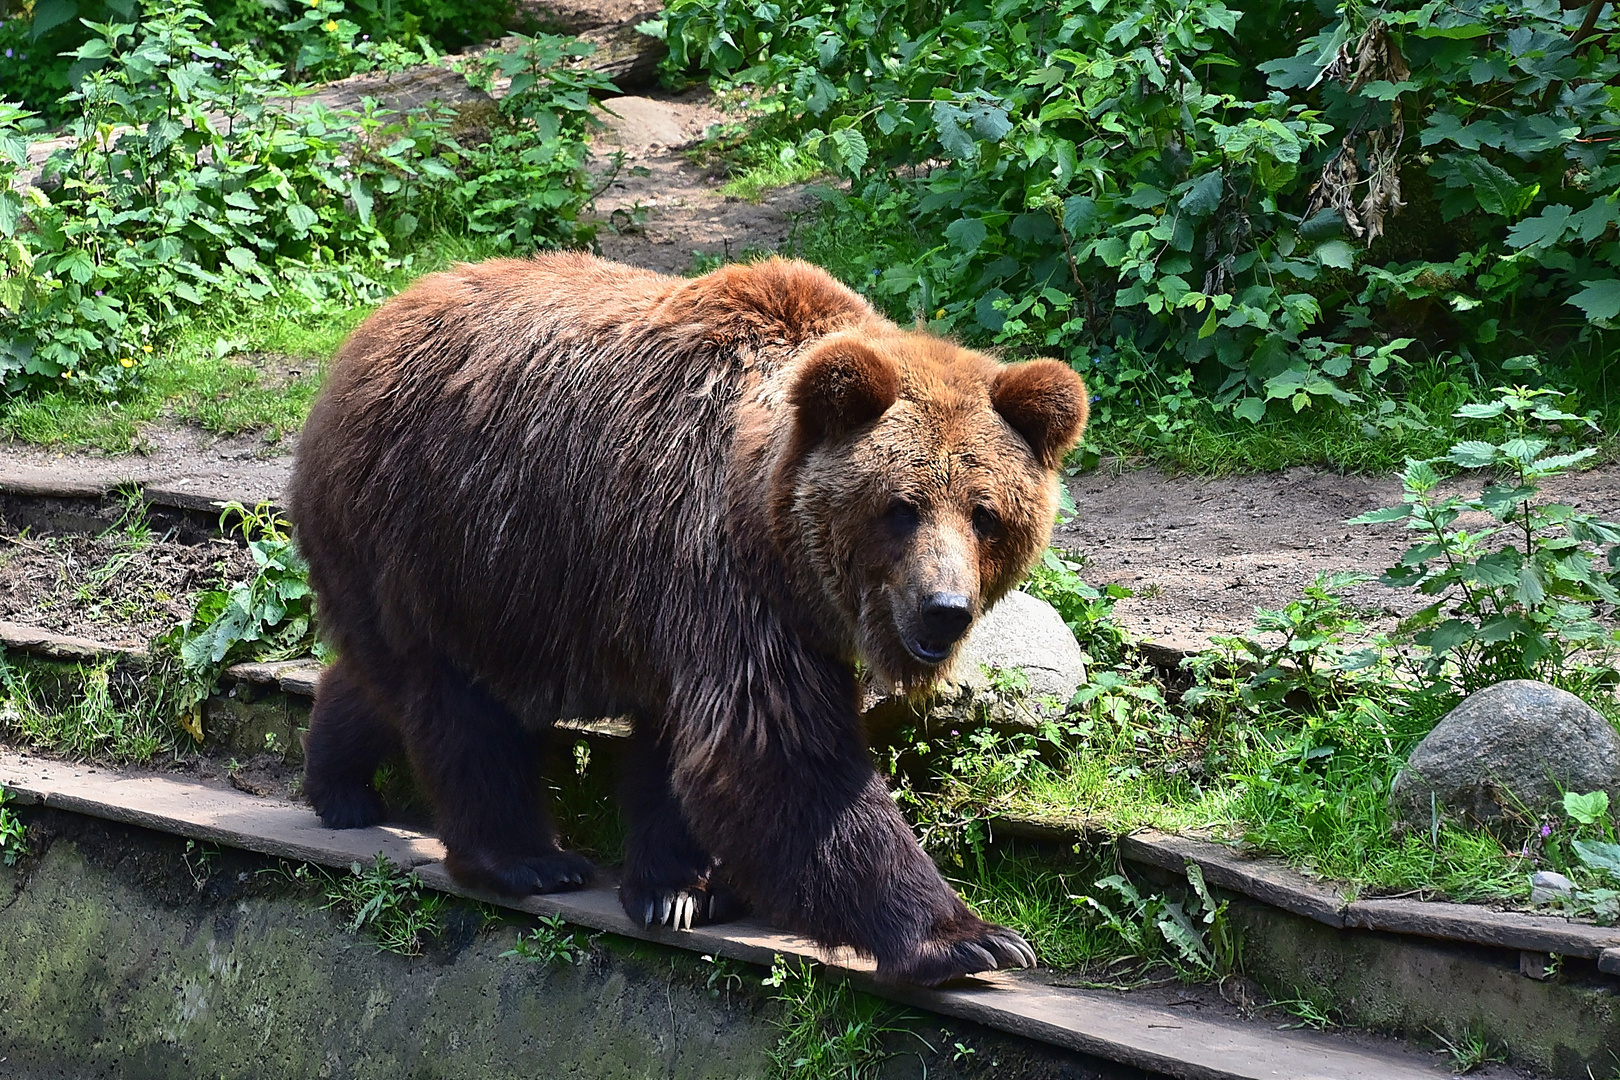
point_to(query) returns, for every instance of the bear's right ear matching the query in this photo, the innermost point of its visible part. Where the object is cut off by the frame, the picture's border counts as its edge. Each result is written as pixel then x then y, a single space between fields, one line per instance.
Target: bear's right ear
pixel 842 385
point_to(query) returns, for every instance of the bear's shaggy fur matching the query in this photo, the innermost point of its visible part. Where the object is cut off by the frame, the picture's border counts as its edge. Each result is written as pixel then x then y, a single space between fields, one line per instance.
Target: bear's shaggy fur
pixel 561 487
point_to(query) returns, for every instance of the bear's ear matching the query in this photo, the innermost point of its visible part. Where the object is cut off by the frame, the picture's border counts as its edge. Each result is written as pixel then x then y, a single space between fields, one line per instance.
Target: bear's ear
pixel 841 386
pixel 1045 402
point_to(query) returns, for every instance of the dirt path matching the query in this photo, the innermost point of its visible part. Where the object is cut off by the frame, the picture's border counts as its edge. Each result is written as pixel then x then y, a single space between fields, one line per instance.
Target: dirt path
pixel 1202 554
pixel 662 210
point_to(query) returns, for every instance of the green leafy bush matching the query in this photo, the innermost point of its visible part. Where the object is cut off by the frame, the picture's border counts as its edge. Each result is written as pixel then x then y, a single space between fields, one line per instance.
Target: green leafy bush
pixel 38 42
pixel 193 177
pixel 1215 184
pixel 1516 597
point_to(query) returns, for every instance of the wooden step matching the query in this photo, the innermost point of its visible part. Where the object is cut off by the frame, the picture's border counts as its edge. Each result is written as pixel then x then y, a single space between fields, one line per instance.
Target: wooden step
pixel 1101 1023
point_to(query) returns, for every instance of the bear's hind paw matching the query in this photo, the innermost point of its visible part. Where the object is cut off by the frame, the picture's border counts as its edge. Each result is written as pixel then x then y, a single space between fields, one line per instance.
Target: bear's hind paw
pixel 958 955
pixel 349 807
pixel 522 875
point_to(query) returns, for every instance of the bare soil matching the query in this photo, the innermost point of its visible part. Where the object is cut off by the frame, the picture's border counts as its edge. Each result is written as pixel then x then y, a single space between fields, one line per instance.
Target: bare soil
pixel 117 587
pixel 1201 554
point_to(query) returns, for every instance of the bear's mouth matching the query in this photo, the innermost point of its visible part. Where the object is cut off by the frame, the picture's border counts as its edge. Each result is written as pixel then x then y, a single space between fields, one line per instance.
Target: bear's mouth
pixel 927 652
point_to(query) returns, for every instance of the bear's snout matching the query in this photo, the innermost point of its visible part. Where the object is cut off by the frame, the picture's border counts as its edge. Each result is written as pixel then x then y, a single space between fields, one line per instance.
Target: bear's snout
pixel 942 619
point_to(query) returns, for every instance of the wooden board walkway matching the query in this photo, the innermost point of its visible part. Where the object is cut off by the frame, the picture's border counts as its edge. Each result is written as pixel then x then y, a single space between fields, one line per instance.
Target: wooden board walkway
pixel 1101 1023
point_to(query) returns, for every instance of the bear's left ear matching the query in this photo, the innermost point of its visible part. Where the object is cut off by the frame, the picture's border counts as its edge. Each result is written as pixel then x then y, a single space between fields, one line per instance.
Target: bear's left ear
pixel 842 385
pixel 1045 402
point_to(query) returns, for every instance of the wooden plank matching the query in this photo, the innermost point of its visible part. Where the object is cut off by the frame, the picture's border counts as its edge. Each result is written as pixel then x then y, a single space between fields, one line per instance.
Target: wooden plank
pixel 1103 1024
pixel 1262 879
pixel 200 811
pixel 51 646
pixel 1482 926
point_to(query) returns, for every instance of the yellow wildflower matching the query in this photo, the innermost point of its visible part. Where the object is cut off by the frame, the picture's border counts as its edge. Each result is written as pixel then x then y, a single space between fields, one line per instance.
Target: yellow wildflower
pixel 146 348
pixel 940 314
pixel 331 26
pixel 128 361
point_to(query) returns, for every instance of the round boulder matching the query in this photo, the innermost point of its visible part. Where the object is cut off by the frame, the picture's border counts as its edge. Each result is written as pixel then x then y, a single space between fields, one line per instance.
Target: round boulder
pixel 1519 742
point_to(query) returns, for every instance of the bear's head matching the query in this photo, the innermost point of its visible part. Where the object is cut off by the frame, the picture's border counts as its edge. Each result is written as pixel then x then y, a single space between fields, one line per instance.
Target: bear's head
pixel 923 486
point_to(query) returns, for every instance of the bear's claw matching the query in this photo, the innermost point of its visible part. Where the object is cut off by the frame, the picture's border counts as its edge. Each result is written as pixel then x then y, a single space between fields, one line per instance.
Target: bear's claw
pixel 679 909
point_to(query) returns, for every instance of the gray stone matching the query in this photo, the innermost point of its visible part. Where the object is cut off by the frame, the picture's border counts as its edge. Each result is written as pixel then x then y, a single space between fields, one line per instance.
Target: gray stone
pixel 1518 743
pixel 1026 633
pixel 1547 886
pixel 1021 634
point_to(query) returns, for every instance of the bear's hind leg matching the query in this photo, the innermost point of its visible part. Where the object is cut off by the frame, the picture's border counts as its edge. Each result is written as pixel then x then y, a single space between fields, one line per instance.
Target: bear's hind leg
pixel 668 878
pixel 482 771
pixel 348 738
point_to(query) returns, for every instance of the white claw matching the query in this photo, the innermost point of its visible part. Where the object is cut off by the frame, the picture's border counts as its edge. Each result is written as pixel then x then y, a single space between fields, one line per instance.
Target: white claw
pixel 688 903
pixel 647 918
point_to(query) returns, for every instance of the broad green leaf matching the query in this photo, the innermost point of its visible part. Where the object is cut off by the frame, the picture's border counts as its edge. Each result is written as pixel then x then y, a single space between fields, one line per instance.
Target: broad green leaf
pixel 966 233
pixel 1481 412
pixel 1337 254
pixel 1545 229
pixel 1495 190
pixel 1204 195
pixel 1252 409
pixel 1599 856
pixel 1600 299
pixel 1473 454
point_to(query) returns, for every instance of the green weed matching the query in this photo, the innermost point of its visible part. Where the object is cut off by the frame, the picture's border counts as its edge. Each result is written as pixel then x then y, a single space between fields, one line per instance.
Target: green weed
pixel 829 1030
pixel 1515 598
pixel 13 834
pixel 103 711
pixel 387 903
pixel 550 944
pixel 1470 1050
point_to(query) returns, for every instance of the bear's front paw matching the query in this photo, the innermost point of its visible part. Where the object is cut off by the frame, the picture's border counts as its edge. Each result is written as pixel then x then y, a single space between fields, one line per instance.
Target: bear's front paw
pixel 347 807
pixel 961 949
pixel 520 875
pixel 680 909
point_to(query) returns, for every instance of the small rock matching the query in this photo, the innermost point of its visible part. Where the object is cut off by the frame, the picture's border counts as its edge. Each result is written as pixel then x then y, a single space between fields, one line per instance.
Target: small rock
pixel 1025 632
pixel 1518 742
pixel 1546 886
pixel 1021 633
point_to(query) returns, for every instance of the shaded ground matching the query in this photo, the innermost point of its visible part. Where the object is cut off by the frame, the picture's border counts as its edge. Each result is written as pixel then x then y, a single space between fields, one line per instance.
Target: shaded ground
pixel 662 210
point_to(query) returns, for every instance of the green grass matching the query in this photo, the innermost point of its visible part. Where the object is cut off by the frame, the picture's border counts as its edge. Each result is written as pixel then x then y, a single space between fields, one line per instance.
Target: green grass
pixel 228 371
pixel 99 711
pixel 767 166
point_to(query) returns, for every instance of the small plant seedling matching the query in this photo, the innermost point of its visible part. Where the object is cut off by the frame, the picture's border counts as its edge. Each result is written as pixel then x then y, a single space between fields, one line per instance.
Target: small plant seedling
pixel 13 834
pixel 550 944
pixel 828 1028
pixel 1471 1050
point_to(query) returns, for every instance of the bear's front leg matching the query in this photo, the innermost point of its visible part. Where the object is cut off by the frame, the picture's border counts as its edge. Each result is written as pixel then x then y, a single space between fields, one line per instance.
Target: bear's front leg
pixel 669 879
pixel 807 831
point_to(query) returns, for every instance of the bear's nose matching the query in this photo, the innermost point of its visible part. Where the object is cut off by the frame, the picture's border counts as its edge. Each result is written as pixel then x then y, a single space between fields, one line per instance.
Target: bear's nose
pixel 945 617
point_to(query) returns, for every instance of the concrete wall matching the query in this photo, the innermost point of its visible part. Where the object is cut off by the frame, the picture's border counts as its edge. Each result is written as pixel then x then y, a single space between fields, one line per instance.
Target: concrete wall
pixel 125 956
pixel 1420 990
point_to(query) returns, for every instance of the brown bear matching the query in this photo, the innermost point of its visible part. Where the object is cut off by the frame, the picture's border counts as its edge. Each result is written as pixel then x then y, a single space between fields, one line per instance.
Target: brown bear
pixel 560 487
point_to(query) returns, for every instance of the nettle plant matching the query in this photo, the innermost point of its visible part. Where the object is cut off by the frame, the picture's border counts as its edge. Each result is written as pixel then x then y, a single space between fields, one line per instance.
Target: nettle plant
pixel 1519 580
pixel 1210 182
pixel 190 174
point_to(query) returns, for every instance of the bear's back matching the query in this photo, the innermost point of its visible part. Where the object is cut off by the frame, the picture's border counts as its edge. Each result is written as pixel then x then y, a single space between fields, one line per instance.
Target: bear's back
pixel 527 458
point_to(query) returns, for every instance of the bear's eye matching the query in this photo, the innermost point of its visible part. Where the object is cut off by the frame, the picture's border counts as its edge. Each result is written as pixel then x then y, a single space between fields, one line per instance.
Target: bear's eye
pixel 985 522
pixel 902 516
